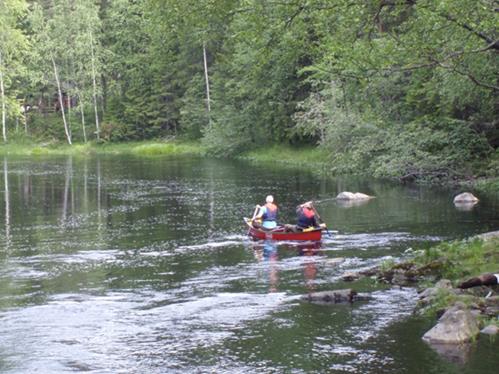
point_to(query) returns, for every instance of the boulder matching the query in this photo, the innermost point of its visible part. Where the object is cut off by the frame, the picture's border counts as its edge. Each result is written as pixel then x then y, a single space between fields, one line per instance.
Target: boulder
pixel 465 197
pixel 456 326
pixel 491 306
pixel 492 235
pixel 353 196
pixel 433 291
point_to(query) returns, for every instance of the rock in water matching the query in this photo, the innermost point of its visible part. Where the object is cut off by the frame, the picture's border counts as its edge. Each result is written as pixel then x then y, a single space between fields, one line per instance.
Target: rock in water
pixel 333 297
pixel 352 196
pixel 490 330
pixel 457 325
pixel 465 197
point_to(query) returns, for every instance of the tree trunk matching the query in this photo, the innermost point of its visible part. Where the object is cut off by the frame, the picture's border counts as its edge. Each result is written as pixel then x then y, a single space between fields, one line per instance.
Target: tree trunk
pixel 25 117
pixel 82 107
pixel 2 93
pixel 208 106
pixel 83 124
pixel 61 102
pixel 94 83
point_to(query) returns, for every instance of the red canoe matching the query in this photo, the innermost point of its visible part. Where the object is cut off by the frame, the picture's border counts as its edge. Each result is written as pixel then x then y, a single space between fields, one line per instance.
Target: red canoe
pixel 279 233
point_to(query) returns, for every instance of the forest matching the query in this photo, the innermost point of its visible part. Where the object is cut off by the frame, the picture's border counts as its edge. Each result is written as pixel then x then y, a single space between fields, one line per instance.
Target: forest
pixel 403 89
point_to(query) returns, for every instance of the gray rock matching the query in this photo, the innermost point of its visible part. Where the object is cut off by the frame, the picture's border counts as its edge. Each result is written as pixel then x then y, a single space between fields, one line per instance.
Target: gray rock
pixel 488 235
pixel 433 291
pixel 353 196
pixel 465 197
pixel 443 283
pixel 457 325
pixel 490 330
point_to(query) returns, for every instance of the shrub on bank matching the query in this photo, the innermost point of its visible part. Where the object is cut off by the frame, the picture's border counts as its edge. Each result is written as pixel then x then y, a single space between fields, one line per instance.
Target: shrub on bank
pixel 463 258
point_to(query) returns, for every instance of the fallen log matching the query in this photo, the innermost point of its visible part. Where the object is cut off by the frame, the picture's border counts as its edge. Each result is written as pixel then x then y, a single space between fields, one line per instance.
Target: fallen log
pixel 487 279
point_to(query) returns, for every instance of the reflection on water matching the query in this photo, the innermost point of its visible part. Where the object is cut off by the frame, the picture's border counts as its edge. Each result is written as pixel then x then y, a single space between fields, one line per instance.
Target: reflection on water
pixel 143 265
pixel 7 204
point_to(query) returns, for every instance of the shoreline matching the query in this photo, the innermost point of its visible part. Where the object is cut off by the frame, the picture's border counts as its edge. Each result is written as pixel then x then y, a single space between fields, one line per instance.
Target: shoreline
pixel 313 158
pixel 457 286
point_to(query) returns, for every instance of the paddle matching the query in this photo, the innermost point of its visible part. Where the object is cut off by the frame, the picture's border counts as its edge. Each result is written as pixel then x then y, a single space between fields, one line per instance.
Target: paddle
pixel 257 208
pixel 320 219
pixel 250 220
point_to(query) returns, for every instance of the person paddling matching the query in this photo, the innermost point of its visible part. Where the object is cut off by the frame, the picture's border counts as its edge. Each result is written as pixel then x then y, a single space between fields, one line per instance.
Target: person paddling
pixel 306 216
pixel 267 214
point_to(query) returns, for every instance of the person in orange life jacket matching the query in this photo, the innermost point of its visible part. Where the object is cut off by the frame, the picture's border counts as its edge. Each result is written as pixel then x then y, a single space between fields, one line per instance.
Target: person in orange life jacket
pixel 306 216
pixel 267 214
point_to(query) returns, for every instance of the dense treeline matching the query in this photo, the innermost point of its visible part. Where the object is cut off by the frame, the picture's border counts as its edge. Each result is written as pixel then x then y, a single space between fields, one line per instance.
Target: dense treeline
pixel 403 88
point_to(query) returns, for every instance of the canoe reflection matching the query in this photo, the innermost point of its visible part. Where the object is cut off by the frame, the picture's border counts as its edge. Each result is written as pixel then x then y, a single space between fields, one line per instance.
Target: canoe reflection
pixel 267 251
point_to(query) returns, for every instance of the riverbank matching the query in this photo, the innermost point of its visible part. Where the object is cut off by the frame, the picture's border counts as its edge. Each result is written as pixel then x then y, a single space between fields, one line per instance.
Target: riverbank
pixel 459 279
pixel 314 159
pixel 458 287
pixel 146 148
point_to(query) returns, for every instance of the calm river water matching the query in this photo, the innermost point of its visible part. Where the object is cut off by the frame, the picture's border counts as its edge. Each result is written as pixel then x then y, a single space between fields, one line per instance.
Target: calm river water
pixel 133 265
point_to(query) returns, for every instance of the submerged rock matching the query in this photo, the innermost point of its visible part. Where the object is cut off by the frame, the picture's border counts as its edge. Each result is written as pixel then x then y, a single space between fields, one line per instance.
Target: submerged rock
pixel 455 353
pixel 457 325
pixel 334 297
pixel 335 261
pixel 350 276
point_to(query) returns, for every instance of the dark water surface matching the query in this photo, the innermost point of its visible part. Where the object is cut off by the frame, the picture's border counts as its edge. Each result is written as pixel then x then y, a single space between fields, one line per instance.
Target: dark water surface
pixel 130 265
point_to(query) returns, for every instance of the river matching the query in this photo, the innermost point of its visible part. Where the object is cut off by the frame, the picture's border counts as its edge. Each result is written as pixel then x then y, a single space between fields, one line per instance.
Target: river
pixel 116 264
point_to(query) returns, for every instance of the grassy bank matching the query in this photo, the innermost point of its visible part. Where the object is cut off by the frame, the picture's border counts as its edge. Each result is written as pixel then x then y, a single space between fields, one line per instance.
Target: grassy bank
pixel 150 148
pixel 461 259
pixel 311 157
pixel 317 160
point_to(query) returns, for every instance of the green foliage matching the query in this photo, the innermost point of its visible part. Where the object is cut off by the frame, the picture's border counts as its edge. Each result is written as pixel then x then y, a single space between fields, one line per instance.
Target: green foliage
pixel 311 157
pixel 490 186
pixel 223 140
pixel 463 258
pixel 392 89
pixel 431 151
pixel 386 265
pixel 194 116
pixel 157 149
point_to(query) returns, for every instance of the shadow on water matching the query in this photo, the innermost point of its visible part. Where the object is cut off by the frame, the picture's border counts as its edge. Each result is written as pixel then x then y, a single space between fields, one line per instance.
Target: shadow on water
pixel 123 264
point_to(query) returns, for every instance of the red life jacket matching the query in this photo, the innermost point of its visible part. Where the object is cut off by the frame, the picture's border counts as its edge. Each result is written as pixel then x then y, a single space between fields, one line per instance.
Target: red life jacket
pixel 306 218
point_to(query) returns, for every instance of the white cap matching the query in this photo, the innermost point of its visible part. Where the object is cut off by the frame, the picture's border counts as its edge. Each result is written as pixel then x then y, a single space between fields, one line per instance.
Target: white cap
pixel 269 199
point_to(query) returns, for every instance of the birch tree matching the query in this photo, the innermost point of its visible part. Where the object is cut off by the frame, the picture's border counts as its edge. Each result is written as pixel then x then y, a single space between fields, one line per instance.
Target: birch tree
pixel 51 48
pixel 12 44
pixel 87 57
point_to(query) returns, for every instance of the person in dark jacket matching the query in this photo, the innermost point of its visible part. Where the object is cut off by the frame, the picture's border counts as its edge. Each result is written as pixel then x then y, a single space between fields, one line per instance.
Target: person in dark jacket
pixel 306 216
